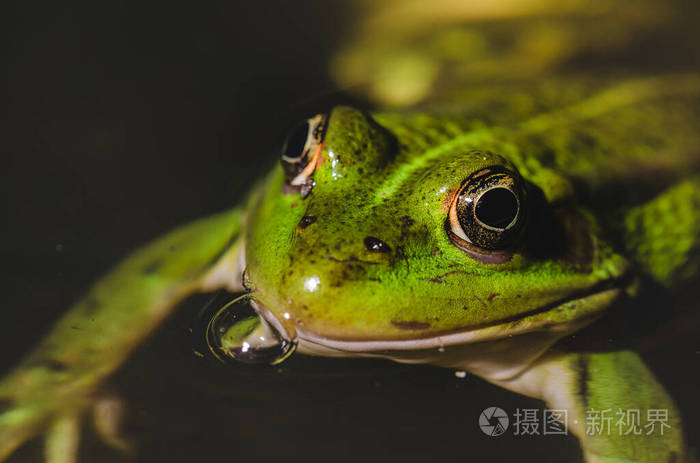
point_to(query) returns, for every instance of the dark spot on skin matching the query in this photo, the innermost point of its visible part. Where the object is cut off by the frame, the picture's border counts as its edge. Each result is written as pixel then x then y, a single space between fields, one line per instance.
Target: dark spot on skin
pixel 440 278
pixel 582 140
pixel 5 405
pixel 152 267
pixel 56 365
pixel 306 221
pixel 376 245
pixel 547 155
pixel 410 325
pixel 492 296
pixel 583 377
pixel 407 221
pixel 436 252
pixel 49 364
pixel 464 307
pixel 294 204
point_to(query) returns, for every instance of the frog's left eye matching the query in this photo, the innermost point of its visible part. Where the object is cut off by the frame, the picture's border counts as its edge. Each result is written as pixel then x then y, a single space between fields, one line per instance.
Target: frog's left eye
pixel 301 153
pixel 487 214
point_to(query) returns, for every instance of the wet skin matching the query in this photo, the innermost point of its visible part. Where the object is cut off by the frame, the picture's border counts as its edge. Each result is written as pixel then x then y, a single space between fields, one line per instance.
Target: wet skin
pixel 473 232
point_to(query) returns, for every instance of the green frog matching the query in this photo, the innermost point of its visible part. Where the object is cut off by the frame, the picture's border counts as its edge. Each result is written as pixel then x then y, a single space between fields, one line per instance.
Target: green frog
pixel 476 232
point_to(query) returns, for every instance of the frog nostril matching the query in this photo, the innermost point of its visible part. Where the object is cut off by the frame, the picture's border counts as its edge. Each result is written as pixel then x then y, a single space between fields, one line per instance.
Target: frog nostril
pixel 307 220
pixel 376 245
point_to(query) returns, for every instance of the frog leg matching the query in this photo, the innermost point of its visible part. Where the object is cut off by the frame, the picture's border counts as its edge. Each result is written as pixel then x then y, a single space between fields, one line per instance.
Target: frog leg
pixel 663 235
pixel 62 439
pixel 59 379
pixel 595 389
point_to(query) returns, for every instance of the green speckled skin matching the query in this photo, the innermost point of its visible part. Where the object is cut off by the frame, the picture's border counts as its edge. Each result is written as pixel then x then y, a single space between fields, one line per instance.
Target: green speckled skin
pixel 391 176
pixel 608 166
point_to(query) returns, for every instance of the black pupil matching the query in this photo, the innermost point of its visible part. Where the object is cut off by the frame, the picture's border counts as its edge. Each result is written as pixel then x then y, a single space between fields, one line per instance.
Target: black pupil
pixel 294 146
pixel 497 208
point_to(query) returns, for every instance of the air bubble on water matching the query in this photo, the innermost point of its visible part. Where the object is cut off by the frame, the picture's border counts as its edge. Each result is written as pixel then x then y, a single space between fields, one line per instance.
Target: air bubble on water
pixel 460 374
pixel 244 331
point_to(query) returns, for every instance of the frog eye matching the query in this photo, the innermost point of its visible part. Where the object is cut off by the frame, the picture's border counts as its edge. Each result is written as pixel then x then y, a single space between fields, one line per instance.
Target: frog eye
pixel 487 214
pixel 301 152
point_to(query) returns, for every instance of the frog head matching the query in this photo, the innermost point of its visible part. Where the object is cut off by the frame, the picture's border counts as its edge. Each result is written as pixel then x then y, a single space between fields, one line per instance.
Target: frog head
pixel 389 231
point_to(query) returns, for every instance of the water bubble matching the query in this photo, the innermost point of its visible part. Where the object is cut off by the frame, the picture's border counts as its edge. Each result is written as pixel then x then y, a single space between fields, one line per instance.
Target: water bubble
pixel 243 331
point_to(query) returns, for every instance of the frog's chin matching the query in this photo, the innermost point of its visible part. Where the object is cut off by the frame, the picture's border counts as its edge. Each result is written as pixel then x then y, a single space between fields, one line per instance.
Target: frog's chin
pixel 549 322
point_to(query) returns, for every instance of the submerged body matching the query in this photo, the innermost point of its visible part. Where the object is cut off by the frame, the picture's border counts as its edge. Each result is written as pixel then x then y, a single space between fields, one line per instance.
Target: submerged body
pixel 474 233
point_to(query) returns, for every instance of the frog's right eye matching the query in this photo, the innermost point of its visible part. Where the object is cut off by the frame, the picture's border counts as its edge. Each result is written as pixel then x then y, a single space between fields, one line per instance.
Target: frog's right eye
pixel 487 215
pixel 301 153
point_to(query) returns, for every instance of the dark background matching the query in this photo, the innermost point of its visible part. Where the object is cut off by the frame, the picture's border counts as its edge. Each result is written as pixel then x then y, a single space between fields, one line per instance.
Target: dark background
pixel 123 121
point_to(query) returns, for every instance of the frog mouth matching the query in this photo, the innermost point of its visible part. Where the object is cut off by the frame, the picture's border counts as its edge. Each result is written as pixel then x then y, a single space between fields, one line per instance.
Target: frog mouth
pixel 588 307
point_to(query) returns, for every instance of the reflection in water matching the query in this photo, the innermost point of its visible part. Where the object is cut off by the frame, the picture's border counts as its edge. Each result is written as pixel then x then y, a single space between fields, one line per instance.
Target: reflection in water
pixel 238 332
